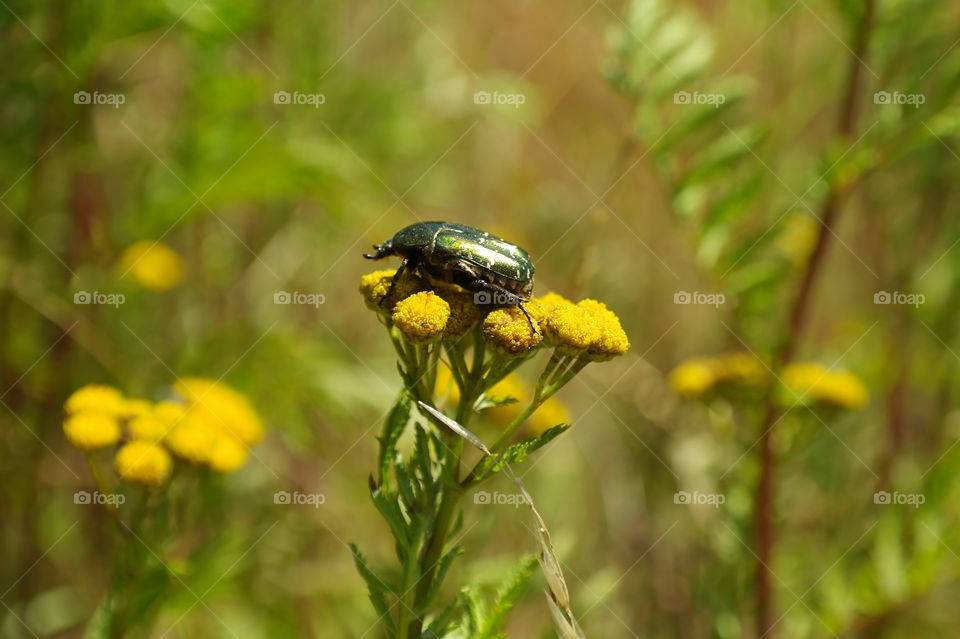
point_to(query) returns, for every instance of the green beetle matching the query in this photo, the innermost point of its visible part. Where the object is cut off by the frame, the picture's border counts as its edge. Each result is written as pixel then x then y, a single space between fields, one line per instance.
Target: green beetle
pixel 460 256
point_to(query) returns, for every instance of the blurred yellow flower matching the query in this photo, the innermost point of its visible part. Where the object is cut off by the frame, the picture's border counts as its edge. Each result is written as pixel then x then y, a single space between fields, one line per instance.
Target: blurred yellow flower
pixel 152 265
pixel 797 237
pixel 227 454
pixel 445 384
pixel 510 386
pixel 552 412
pixel 220 405
pixel 192 439
pixel 810 381
pixel 97 398
pixel 143 462
pixel 132 407
pixel 422 316
pixel 148 427
pixel 697 375
pixel 169 412
pixel 509 330
pixel 91 430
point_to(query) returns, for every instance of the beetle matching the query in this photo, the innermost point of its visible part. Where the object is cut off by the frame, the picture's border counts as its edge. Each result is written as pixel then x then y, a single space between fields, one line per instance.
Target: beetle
pixel 459 256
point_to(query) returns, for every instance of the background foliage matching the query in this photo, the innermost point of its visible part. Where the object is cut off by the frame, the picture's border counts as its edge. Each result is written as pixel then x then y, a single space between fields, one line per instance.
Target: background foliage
pixel 619 191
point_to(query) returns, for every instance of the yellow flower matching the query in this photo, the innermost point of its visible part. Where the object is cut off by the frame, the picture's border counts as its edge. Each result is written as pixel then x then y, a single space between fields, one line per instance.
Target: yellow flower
pixel 152 265
pixel 422 316
pixel 694 377
pixel 463 312
pixel 540 308
pixel 613 340
pixel 91 430
pixel 573 327
pixel 169 412
pixel 135 407
pixel 193 439
pixel 143 462
pixel 227 454
pixel 374 286
pixel 552 412
pixel 811 381
pixel 509 330
pixel 218 404
pixel 148 427
pixel 446 385
pixel 97 398
pixel 697 375
pixel 510 386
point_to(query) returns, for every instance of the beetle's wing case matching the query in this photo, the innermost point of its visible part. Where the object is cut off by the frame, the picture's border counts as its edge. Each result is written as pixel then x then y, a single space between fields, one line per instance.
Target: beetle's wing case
pixel 485 251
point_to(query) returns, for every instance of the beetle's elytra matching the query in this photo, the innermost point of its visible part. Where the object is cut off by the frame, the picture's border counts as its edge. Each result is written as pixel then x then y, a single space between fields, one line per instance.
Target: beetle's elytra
pixel 445 254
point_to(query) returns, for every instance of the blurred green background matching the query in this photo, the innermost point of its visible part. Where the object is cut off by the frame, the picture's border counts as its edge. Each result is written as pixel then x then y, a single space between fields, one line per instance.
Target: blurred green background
pixel 270 143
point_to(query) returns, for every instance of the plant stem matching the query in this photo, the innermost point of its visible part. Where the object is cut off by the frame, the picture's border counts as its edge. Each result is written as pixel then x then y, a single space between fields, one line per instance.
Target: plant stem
pixel 797 322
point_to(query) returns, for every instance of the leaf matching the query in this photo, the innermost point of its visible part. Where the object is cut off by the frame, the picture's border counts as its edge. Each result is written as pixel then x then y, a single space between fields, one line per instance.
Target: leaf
pixel 377 588
pixel 507 595
pixel 443 566
pixel 392 430
pixel 520 451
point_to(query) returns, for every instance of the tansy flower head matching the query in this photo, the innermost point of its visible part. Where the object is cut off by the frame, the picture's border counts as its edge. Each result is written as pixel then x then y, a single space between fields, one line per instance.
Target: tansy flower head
pixel 143 462
pixel 152 265
pixel 169 412
pixel 148 427
pixel 509 330
pixel 694 377
pixel 422 316
pixel 96 398
pixel 91 430
pixel 222 406
pixel 134 407
pixel 193 439
pixel 613 340
pixel 540 308
pixel 227 454
pixel 810 382
pixel 374 287
pixel 464 313
pixel 573 327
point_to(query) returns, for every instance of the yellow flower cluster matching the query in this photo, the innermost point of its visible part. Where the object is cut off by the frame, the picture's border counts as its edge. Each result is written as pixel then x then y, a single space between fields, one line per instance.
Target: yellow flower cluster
pixel 697 375
pixel 152 265
pixel 809 382
pixel 208 423
pixel 587 328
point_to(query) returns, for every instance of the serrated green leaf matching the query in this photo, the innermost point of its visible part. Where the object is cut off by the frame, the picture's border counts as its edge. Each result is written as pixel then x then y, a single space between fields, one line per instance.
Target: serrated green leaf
pixel 507 595
pixel 377 589
pixel 520 451
pixel 392 430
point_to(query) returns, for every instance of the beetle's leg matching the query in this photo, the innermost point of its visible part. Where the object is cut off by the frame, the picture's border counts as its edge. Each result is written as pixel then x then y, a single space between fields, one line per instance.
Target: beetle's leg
pixel 404 265
pixel 511 298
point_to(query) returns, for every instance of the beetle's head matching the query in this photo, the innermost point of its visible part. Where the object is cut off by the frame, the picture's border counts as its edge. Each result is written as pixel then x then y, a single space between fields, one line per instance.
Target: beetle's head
pixel 382 251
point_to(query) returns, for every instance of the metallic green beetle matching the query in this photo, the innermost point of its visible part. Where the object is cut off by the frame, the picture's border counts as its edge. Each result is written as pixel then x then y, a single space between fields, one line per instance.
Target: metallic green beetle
pixel 456 255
